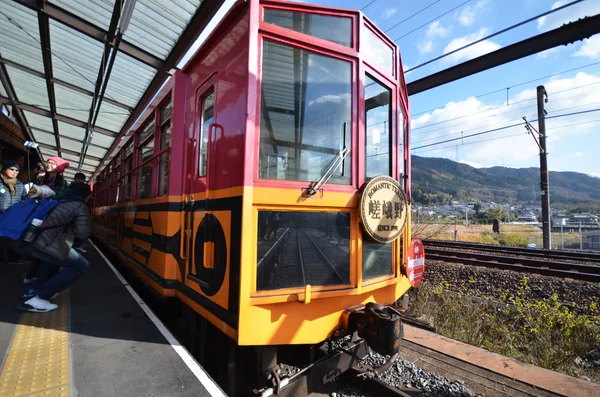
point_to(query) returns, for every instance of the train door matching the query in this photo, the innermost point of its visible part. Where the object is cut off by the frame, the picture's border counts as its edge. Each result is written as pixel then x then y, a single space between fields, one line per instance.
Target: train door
pixel 205 244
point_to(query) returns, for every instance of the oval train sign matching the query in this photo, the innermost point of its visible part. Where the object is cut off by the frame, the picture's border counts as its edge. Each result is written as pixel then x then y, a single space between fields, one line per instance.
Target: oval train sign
pixel 383 209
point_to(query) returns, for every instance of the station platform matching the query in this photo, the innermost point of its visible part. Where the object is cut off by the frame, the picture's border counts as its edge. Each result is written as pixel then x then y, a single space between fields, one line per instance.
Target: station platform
pixel 101 341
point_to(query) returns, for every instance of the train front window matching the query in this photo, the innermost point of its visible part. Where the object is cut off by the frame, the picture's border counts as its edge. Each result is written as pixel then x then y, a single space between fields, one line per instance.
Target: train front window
pixel 207 119
pixel 305 117
pixel 378 134
pixel 335 29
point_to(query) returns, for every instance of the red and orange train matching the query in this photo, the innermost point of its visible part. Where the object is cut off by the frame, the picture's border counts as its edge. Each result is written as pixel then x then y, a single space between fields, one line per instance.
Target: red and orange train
pixel 269 189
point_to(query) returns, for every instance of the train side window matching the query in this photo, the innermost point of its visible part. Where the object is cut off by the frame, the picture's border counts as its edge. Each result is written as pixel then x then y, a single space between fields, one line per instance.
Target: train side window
pixel 127 165
pixel 165 143
pixel 378 135
pixel 145 153
pixel 207 118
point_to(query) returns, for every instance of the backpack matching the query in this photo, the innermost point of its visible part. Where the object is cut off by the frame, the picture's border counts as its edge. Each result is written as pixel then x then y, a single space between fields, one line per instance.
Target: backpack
pixel 17 218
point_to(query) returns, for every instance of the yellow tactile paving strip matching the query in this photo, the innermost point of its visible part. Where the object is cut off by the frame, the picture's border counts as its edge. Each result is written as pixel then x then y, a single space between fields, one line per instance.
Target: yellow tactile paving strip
pixel 37 363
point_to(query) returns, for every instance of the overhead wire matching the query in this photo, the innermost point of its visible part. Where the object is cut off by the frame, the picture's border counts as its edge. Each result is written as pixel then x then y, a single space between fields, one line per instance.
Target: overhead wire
pixel 504 121
pixel 433 20
pixel 368 5
pixel 413 15
pixel 505 127
pixel 495 34
pixel 507 136
pixel 515 85
pixel 497 114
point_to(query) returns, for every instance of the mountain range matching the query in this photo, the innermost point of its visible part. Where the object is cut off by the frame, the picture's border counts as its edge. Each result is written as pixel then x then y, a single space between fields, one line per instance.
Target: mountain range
pixel 438 180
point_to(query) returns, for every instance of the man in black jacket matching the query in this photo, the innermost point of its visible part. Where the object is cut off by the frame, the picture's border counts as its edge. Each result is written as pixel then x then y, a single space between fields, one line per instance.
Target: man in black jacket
pixel 68 221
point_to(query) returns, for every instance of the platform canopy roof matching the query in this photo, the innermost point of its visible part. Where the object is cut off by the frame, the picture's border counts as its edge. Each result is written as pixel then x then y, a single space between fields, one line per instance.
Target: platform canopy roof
pixel 79 74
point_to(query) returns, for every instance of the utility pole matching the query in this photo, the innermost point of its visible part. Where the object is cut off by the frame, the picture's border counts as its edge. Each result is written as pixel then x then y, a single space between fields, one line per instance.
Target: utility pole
pixel 544 178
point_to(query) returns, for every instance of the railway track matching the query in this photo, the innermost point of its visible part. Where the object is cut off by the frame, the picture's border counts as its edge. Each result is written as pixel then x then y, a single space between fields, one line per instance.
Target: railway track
pixel 519 260
pixel 531 252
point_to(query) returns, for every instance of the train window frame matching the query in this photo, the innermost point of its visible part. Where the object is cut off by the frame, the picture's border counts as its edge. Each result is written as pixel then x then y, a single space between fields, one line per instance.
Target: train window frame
pixel 391 72
pixel 203 161
pixel 391 127
pixel 144 139
pixel 352 140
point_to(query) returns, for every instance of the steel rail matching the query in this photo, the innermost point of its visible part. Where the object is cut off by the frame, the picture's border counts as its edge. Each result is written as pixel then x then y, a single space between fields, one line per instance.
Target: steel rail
pixel 532 252
pixel 325 258
pixel 525 268
pixel 518 260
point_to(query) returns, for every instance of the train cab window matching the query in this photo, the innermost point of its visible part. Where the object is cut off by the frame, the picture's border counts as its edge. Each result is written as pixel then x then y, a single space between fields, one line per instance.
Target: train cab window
pixel 305 116
pixel 145 153
pixel 330 28
pixel 117 178
pixel 207 118
pixel 378 135
pixel 315 246
pixel 377 52
pixel 402 123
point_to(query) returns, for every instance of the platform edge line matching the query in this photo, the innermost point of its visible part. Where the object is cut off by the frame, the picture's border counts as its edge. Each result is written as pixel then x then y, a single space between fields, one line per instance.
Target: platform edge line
pixel 213 389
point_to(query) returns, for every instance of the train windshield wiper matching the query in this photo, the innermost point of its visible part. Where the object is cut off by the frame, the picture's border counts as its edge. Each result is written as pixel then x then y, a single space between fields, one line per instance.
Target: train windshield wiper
pixel 316 186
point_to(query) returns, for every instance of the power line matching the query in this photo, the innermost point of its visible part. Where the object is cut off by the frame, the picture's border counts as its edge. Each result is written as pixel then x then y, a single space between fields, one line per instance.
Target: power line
pixel 508 136
pixel 415 14
pixel 505 127
pixel 495 34
pixel 500 107
pixel 516 85
pixel 368 5
pixel 427 23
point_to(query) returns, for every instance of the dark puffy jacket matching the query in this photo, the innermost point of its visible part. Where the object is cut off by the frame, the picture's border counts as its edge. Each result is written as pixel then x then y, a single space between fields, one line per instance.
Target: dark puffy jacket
pixel 67 221
pixel 6 199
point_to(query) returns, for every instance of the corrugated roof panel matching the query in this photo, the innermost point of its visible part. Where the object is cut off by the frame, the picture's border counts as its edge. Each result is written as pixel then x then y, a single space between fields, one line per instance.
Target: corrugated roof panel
pixel 102 140
pixel 43 137
pixel 3 92
pixel 88 168
pixel 38 121
pixel 71 131
pixel 96 152
pixel 129 79
pixel 70 157
pixel 21 38
pixel 75 57
pixel 98 12
pixel 71 103
pixel 111 117
pixel 48 152
pixel 70 145
pixel 30 89
pixel 157 24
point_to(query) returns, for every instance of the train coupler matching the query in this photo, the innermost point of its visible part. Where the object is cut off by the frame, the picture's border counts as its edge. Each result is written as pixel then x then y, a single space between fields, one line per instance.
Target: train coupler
pixel 378 325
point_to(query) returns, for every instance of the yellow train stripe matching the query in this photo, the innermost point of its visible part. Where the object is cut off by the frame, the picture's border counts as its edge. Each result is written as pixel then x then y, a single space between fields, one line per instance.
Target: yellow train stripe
pixel 37 362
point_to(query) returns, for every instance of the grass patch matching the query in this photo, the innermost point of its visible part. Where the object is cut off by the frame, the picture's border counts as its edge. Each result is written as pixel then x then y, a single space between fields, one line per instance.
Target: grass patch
pixel 544 333
pixel 511 235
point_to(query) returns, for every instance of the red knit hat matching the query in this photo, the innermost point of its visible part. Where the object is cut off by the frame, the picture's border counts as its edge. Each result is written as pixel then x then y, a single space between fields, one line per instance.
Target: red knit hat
pixel 61 164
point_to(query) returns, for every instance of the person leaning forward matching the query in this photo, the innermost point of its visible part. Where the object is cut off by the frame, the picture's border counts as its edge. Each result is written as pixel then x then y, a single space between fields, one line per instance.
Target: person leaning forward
pixel 68 221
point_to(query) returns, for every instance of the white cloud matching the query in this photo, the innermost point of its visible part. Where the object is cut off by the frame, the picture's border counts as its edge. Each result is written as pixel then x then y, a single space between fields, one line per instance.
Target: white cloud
pixel 590 48
pixel 388 13
pixel 572 13
pixel 547 53
pixel 567 136
pixel 471 52
pixel 425 47
pixel 437 30
pixel 466 17
pixel 471 163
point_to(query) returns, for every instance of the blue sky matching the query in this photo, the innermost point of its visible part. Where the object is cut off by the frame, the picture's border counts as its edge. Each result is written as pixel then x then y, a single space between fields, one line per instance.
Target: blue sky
pixel 461 107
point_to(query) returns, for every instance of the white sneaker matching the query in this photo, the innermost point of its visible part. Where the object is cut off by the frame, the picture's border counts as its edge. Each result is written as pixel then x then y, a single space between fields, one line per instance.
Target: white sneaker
pixel 38 305
pixel 29 280
pixel 81 250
